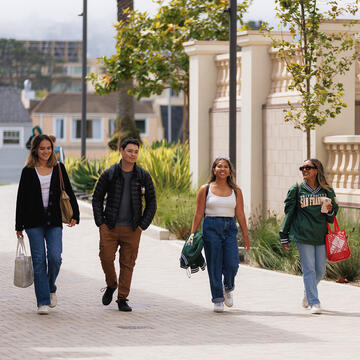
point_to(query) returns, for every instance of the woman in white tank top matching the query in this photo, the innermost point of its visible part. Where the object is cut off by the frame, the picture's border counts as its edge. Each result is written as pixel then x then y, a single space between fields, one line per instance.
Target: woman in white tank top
pixel 220 201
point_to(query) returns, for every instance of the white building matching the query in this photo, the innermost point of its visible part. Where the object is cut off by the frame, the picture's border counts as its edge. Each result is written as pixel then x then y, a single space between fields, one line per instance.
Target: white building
pixel 15 129
pixel 269 151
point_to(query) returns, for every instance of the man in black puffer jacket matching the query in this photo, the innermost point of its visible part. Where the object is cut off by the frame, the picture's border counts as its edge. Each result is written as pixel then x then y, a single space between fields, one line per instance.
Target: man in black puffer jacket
pixel 123 220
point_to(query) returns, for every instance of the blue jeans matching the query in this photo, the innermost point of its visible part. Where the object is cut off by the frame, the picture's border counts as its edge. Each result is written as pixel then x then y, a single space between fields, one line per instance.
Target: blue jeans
pixel 222 254
pixel 313 265
pixel 46 261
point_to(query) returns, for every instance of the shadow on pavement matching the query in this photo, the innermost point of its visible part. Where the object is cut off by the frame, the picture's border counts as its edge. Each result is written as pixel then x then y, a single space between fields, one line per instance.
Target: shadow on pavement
pixel 81 321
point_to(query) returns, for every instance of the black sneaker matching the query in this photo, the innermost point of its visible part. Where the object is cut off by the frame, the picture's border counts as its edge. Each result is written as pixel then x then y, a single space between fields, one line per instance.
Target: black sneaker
pixel 108 295
pixel 123 305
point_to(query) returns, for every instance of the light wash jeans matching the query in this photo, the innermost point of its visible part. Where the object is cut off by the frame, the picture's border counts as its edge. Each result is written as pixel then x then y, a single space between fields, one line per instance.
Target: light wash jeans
pixel 313 265
pixel 222 254
pixel 46 260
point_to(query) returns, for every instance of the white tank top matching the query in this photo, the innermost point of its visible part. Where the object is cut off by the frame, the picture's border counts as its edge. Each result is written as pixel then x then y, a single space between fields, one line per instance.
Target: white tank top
pixel 45 187
pixel 223 206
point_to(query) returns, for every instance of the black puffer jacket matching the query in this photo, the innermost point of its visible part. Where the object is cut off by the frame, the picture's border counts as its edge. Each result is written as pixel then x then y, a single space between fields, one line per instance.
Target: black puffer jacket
pixel 111 183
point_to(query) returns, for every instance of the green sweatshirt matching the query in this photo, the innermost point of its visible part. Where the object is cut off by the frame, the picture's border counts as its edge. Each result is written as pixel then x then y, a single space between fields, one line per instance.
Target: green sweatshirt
pixel 304 222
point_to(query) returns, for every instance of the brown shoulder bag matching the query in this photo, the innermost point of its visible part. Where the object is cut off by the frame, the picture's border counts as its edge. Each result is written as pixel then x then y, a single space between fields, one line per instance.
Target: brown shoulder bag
pixel 65 205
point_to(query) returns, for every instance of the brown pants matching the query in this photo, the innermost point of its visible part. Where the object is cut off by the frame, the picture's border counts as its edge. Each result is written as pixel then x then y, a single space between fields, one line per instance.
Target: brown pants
pixel 110 240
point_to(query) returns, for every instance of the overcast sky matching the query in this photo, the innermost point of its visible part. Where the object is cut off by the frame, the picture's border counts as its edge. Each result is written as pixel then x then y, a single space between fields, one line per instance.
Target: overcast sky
pixel 59 20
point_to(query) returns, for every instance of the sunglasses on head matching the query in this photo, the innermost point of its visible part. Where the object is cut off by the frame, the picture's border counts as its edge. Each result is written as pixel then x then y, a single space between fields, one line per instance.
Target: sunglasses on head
pixel 306 167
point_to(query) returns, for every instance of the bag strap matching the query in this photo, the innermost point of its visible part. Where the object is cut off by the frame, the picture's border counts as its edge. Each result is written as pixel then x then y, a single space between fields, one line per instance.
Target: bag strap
pixel 336 226
pixel 62 187
pixel 20 248
pixel 206 194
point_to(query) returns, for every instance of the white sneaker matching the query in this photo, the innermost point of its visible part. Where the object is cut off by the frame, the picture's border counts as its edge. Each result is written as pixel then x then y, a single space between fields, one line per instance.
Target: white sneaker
pixel 219 307
pixel 305 303
pixel 315 309
pixel 228 298
pixel 53 300
pixel 43 310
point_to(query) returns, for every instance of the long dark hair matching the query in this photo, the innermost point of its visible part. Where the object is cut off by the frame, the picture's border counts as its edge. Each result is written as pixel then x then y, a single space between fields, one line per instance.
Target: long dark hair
pixel 320 176
pixel 230 179
pixel 33 157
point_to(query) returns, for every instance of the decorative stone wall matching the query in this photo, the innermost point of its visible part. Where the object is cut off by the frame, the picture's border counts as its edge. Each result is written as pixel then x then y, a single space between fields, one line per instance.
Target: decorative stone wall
pixel 283 148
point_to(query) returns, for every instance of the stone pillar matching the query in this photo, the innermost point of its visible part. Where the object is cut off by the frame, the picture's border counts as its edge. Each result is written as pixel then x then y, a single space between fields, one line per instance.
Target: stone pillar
pixel 344 123
pixel 256 82
pixel 203 76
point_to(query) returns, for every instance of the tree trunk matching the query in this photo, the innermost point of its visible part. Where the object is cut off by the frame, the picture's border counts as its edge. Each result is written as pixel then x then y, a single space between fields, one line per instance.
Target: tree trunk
pixel 125 105
pixel 308 144
pixel 186 114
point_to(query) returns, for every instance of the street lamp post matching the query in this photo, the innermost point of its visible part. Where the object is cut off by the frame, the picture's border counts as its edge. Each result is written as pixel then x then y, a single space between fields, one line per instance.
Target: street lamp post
pixel 232 81
pixel 169 117
pixel 83 81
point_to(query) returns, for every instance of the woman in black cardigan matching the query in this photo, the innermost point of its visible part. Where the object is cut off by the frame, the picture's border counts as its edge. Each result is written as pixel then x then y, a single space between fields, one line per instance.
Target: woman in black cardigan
pixel 38 213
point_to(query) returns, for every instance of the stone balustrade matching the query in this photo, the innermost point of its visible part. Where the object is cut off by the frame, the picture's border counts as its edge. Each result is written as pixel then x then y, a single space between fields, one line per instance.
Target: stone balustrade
pixel 280 79
pixel 343 168
pixel 222 83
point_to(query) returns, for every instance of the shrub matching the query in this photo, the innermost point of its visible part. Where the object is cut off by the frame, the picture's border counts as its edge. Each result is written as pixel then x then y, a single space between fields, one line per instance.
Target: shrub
pixel 71 164
pixel 267 251
pixel 169 167
pixel 86 174
pixel 175 212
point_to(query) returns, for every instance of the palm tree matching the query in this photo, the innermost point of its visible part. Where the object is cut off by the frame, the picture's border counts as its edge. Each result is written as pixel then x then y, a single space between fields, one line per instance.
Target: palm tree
pixel 125 121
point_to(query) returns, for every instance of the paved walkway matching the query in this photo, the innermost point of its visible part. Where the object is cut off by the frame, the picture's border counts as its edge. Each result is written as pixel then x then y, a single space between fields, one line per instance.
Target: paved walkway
pixel 172 315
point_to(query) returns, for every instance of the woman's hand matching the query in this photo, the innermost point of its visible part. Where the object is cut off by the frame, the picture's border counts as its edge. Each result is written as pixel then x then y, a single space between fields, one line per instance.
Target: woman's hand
pixel 19 234
pixel 71 223
pixel 329 208
pixel 286 247
pixel 246 243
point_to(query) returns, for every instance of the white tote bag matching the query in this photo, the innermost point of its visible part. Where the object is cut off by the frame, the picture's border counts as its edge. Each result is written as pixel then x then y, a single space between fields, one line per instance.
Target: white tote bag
pixel 24 272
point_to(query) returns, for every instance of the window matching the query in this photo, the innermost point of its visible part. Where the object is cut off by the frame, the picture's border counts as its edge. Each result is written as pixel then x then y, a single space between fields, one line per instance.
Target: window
pixel 11 138
pixel 93 129
pixel 73 70
pixel 111 127
pixel 142 125
pixel 59 129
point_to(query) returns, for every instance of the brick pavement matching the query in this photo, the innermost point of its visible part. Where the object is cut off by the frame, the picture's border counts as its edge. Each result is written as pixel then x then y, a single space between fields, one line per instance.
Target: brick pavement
pixel 172 317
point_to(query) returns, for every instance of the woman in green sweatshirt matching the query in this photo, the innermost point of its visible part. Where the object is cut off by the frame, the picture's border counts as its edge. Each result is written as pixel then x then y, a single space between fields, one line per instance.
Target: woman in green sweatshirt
pixel 305 224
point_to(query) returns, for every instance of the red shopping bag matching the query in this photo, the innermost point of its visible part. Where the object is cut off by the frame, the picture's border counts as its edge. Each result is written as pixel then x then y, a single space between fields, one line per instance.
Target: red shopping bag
pixel 337 247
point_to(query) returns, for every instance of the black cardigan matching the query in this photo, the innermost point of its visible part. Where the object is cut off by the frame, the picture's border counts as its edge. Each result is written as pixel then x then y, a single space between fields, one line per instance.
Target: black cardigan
pixel 29 206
